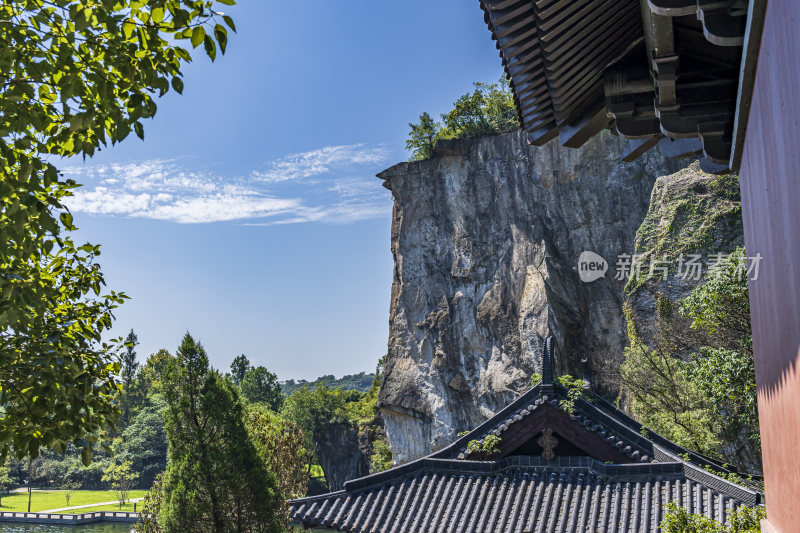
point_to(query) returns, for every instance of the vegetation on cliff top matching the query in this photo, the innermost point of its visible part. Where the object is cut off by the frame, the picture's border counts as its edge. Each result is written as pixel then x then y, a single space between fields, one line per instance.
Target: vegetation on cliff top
pixel 488 110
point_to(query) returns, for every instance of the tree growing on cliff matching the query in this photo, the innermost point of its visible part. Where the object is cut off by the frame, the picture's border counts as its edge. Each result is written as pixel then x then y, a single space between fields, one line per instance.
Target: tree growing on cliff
pixel 75 76
pixel 422 137
pixel 702 396
pixel 488 110
pixel 215 479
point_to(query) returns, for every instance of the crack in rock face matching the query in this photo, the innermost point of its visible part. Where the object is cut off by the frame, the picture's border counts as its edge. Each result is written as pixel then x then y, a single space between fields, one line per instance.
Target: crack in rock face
pixel 486 237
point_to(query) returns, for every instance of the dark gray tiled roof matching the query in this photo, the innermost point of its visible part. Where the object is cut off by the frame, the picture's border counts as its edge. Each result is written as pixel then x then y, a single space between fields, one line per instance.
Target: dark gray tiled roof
pixel 448 492
pixel 507 496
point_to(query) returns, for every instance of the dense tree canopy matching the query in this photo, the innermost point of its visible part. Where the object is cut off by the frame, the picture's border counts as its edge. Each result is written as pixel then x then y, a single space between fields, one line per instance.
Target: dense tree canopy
pixel 259 385
pixel 488 110
pixel 143 443
pixel 360 382
pixel 75 76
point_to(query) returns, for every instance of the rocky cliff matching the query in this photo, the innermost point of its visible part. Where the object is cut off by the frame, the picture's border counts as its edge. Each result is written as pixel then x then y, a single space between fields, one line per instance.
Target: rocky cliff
pixel 486 237
pixel 340 455
pixel 693 216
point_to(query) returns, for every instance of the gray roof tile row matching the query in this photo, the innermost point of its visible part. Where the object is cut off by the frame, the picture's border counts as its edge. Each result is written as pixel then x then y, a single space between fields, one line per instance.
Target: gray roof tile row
pixel 511 501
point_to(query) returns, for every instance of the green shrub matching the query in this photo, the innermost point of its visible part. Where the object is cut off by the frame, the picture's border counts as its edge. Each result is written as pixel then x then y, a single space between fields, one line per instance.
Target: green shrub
pixel 489 445
pixel 744 520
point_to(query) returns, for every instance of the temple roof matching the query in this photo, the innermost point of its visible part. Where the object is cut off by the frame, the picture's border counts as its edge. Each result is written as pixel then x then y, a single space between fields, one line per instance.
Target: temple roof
pixel 553 462
pixel 677 73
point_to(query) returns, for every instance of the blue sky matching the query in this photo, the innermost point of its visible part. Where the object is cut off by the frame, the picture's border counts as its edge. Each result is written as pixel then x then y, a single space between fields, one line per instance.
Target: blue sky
pixel 250 214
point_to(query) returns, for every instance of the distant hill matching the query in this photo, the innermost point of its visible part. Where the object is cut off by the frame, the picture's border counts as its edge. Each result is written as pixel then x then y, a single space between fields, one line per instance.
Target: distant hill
pixel 360 382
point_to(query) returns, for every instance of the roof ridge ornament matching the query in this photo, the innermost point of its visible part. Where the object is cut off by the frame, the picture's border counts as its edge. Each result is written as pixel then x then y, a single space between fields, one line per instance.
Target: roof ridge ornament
pixel 547 361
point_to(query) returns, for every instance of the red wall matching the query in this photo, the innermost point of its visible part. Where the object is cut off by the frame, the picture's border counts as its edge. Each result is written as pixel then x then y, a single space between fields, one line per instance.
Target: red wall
pixel 770 181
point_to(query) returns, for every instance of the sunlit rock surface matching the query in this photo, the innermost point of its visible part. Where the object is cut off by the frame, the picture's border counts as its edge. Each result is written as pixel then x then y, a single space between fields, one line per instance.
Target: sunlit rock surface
pixel 486 237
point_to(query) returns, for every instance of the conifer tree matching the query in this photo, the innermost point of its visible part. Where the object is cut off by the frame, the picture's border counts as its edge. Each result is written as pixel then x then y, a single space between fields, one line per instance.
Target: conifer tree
pixel 215 480
pixel 129 368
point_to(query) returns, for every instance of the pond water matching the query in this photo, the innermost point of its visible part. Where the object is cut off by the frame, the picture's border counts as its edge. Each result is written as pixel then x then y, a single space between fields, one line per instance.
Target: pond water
pixel 98 527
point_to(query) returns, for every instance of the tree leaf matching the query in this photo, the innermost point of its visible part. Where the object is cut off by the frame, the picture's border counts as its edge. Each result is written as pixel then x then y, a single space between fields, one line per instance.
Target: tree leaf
pixel 229 21
pixel 222 37
pixel 211 48
pixel 198 34
pixel 127 28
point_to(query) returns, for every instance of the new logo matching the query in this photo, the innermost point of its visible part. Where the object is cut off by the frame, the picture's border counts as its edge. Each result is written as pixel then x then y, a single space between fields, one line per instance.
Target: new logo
pixel 591 267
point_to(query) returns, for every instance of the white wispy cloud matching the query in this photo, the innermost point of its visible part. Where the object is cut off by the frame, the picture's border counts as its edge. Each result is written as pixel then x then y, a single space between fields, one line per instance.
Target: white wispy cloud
pixel 309 164
pixel 167 189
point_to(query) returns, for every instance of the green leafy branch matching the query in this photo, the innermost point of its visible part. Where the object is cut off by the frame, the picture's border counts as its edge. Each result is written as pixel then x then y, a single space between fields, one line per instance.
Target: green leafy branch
pixel 489 445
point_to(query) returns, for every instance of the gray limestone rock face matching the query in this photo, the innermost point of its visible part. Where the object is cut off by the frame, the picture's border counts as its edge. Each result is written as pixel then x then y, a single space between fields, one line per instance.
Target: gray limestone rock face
pixel 486 237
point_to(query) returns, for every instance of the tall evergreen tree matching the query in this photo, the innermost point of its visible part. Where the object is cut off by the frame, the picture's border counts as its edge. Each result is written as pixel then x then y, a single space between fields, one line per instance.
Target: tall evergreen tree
pixel 215 480
pixel 129 367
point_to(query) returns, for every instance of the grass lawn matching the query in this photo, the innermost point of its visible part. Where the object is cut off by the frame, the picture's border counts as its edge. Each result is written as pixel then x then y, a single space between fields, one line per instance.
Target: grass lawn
pixel 41 501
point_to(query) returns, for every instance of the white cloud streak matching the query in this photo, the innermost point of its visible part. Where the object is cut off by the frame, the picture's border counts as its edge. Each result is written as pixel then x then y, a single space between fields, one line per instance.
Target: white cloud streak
pixel 166 190
pixel 309 164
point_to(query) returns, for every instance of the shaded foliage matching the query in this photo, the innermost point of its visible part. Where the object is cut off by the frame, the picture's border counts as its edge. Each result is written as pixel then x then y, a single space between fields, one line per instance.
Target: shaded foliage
pixel 697 385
